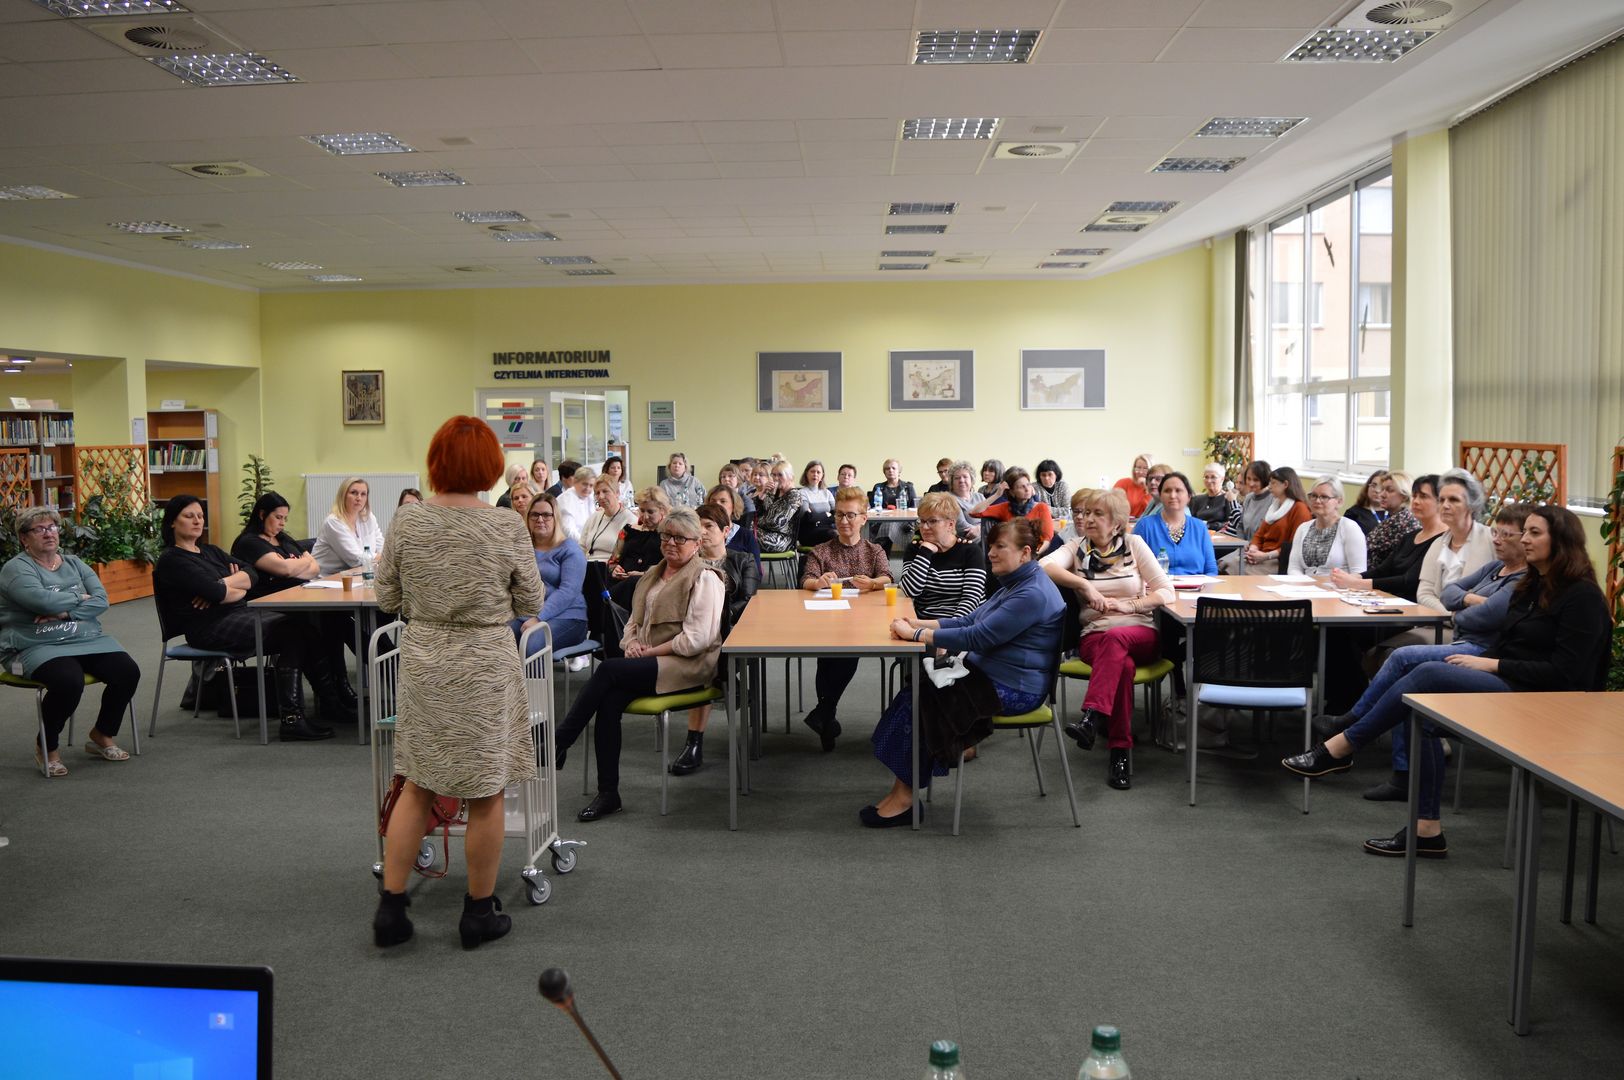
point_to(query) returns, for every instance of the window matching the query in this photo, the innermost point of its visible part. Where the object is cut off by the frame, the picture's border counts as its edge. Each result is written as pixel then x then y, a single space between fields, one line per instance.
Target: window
pixel 1324 395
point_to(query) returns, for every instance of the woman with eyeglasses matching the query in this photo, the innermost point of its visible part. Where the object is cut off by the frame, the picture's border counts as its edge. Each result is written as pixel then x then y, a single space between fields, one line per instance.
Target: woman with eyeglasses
pixel 50 631
pixel 1328 540
pixel 600 534
pixel 671 642
pixel 944 577
pixel 1368 510
pixel 562 567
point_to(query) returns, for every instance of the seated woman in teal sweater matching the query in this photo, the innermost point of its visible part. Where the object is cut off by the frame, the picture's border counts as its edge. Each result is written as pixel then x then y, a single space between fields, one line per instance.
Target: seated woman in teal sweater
pixel 1176 531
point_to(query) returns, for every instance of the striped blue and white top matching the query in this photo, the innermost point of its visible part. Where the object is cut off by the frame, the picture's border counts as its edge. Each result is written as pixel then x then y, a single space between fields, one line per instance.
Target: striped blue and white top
pixel 944 584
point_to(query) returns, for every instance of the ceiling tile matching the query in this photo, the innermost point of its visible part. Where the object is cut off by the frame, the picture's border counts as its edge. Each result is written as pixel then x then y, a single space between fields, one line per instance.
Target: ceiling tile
pixel 466 58
pixel 315 28
pixel 659 154
pixel 736 131
pixel 563 18
pixel 1151 127
pixel 556 135
pixel 717 50
pixel 1132 149
pixel 1267 13
pixel 1092 13
pixel 923 167
pixel 703 16
pixel 626 53
pixel 773 151
pixel 633 134
pixel 57 39
pixel 427 21
pixel 847 48
pixel 574 174
pixel 675 172
pixel 1109 45
pixel 845 14
pixel 874 149
pixel 831 130
pixel 343 65
pixel 846 167
pixel 760 170
pixel 1223 46
pixel 974 14
pixel 101 76
pixel 573 155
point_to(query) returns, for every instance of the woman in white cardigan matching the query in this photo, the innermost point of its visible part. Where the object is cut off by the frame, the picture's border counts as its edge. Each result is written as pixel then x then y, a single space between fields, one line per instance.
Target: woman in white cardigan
pixel 1466 547
pixel 1327 541
pixel 348 530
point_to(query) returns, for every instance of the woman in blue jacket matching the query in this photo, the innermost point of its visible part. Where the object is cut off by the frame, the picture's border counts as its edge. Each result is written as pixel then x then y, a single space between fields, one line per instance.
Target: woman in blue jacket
pixel 1013 639
pixel 1182 535
pixel 562 565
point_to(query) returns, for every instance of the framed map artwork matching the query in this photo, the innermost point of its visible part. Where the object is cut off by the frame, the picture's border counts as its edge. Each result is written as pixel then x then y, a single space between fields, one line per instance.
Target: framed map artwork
pixel 798 382
pixel 933 379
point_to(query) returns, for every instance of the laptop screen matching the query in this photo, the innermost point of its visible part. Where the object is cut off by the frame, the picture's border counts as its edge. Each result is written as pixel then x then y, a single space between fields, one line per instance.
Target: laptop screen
pixel 131 1021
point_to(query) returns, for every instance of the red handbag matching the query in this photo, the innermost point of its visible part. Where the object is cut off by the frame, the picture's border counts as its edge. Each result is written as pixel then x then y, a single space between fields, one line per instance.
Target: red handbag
pixel 444 812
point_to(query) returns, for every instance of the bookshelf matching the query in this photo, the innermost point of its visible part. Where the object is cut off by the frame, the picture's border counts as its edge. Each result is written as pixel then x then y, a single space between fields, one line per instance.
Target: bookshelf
pixel 47 436
pixel 183 457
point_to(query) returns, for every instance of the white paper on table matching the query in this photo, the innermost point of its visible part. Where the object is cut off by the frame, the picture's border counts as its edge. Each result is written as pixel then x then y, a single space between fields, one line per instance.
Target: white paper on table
pixel 324 584
pixel 1193 579
pixel 828 605
pixel 1295 578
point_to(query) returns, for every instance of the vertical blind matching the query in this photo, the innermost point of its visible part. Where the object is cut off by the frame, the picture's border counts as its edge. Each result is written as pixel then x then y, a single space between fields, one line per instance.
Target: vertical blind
pixel 1537 186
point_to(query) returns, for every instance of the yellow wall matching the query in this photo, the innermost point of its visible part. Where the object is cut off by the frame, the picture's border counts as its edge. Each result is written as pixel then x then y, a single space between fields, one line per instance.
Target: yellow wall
pixel 696 345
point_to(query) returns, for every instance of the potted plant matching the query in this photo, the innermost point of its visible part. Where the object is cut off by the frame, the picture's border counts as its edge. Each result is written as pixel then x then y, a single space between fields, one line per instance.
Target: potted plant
pixel 119 534
pixel 256 482
pixel 1229 449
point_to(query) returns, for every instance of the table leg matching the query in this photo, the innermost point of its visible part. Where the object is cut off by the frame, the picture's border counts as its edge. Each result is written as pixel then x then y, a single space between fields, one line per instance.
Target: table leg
pixel 1597 821
pixel 732 744
pixel 1319 683
pixel 1511 817
pixel 1568 867
pixel 363 628
pixel 913 706
pixel 1414 814
pixel 259 671
pixel 1522 972
pixel 1193 712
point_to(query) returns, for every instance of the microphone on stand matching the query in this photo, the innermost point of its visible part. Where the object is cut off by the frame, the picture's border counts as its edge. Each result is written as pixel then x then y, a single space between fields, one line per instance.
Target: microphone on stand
pixel 556 987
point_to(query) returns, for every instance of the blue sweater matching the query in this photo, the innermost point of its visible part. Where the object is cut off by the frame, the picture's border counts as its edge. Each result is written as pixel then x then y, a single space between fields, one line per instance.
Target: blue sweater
pixel 1480 624
pixel 562 570
pixel 1192 555
pixel 1014 637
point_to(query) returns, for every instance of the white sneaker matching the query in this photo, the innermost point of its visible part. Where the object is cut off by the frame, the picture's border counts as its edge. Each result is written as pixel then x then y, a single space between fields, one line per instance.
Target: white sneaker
pixel 578 663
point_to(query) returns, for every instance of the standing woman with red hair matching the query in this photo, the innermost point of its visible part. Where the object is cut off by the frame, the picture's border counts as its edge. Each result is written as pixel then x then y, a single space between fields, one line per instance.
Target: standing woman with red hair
pixel 458 570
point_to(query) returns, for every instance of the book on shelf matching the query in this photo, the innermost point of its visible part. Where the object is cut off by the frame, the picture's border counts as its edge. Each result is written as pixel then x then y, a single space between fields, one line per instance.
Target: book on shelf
pixel 19 432
pixel 175 457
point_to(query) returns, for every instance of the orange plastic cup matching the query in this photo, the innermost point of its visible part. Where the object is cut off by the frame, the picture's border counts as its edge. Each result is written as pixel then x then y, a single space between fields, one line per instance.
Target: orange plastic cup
pixel 835 590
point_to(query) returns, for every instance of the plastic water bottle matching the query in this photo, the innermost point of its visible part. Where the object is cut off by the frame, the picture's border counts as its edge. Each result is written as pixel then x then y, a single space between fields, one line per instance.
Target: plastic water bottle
pixel 368 564
pixel 944 1061
pixel 1161 557
pixel 879 500
pixel 902 499
pixel 1104 1060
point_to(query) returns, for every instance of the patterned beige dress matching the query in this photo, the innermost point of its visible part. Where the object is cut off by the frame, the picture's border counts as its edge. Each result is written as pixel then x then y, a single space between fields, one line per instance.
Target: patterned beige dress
pixel 462 721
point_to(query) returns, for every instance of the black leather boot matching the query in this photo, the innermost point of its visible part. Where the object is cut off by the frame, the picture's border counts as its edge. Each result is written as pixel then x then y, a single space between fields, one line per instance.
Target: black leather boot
pixel 188 696
pixel 692 756
pixel 482 920
pixel 296 727
pixel 1087 729
pixel 1116 772
pixel 390 926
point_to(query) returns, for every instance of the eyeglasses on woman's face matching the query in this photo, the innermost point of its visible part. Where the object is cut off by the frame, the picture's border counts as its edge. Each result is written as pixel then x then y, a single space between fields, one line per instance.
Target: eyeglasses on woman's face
pixel 850 515
pixel 47 527
pixel 544 515
pixel 677 541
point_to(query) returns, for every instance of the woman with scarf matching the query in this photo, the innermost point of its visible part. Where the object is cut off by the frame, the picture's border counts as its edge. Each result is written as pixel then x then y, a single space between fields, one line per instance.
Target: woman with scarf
pixel 1018 499
pixel 1119 585
pixel 1400 522
pixel 1287 511
pixel 1052 489
pixel 1398 569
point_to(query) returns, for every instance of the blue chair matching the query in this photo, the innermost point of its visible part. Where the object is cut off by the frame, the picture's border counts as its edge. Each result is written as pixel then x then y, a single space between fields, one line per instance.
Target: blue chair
pixel 8 679
pixel 189 654
pixel 1252 654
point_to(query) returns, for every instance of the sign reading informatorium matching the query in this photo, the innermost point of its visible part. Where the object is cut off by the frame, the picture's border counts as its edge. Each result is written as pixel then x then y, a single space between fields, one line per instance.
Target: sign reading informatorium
pixel 548 365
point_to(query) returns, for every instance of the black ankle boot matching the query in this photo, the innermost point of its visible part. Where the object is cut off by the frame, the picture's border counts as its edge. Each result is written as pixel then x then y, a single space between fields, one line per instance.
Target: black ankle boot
pixel 692 756
pixel 346 693
pixel 1116 773
pixel 482 920
pixel 1084 731
pixel 390 926
pixel 296 727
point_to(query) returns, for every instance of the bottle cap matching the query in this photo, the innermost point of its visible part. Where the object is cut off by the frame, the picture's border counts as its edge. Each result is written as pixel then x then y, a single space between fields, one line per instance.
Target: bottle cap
pixel 944 1054
pixel 1107 1037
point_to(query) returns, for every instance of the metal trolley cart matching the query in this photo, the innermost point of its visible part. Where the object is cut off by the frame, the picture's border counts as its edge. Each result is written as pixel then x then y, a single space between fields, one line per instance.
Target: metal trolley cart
pixel 530 809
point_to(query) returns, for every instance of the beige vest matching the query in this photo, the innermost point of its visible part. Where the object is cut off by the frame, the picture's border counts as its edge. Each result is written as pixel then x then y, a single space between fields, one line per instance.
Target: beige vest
pixel 663 621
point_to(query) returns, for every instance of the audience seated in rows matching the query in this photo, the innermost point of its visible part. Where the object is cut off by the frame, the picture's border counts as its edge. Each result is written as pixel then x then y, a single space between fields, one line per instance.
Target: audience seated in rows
pixel 639 545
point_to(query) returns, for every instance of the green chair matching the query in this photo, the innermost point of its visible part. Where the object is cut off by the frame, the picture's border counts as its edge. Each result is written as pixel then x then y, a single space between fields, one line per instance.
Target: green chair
pixel 8 679
pixel 780 564
pixel 1038 719
pixel 1149 676
pixel 662 706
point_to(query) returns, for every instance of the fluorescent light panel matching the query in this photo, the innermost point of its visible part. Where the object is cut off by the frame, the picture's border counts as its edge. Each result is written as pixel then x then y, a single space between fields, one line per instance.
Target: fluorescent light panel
pixel 1087 252
pixel 1197 164
pixel 975 46
pixel 521 236
pixel 905 266
pixel 1061 265
pixel 915 230
pixel 901 208
pixel 567 260
pixel 155 228
pixel 1248 127
pixel 907 254
pixel 422 178
pixel 90 9
pixel 333 279
pixel 949 127
pixel 224 69
pixel 590 271
pixel 292 265
pixel 491 217
pixel 360 142
pixel 1108 227
pixel 1338 45
pixel 32 191
pixel 213 245
pixel 1140 207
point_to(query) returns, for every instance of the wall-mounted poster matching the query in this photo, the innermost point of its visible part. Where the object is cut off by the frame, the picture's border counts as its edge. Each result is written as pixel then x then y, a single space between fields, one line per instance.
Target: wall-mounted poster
pixel 933 379
pixel 662 431
pixel 798 382
pixel 363 397
pixel 1063 378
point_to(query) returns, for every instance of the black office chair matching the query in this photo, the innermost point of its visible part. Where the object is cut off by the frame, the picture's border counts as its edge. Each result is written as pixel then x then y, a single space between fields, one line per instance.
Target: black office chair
pixel 1252 654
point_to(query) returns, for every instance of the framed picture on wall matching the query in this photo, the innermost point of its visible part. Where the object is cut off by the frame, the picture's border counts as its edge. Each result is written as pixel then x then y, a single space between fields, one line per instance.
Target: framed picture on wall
pixel 363 397
pixel 798 382
pixel 933 379
pixel 1062 378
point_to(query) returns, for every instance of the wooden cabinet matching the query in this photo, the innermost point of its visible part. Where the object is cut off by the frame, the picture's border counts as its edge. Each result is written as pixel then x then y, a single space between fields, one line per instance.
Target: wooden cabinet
pixel 183 458
pixel 47 437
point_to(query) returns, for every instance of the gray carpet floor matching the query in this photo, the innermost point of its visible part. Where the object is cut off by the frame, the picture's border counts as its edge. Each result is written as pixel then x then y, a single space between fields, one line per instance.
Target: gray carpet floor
pixel 1235 938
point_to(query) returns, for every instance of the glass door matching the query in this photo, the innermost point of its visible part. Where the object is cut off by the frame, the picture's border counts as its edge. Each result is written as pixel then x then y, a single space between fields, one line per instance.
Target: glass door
pixel 520 424
pixel 582 424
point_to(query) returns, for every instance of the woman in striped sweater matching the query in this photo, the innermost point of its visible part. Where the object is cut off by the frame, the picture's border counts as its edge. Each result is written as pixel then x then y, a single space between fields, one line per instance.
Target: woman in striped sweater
pixel 945 578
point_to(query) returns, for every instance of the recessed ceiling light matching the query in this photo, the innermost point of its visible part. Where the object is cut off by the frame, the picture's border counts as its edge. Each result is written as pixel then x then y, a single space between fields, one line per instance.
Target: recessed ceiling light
pixel 905 266
pixel 567 260
pixel 914 230
pixel 422 178
pixel 361 142
pixel 1111 226
pixel 922 208
pixel 1061 265
pixel 291 265
pixel 22 359
pixel 907 254
pixel 522 236
pixel 1338 45
pixel 591 271
pixel 12 370
pixel 87 9
pixel 145 227
pixel 491 217
pixel 1091 252
pixel 224 69
pixel 1140 207
pixel 213 245
pixel 32 191
pixel 332 279
pixel 1197 164
pixel 975 46
pixel 949 127
pixel 1248 127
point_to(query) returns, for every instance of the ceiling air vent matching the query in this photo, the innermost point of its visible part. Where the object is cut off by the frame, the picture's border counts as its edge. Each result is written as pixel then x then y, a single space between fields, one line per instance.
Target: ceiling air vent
pixel 1407 12
pixel 166 38
pixel 162 35
pixel 217 170
pixel 1020 150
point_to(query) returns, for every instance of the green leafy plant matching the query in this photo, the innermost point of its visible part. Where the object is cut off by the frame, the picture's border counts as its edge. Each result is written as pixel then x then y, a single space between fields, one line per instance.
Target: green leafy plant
pixel 1229 451
pixel 256 482
pixel 9 544
pixel 1535 486
pixel 1611 527
pixel 118 523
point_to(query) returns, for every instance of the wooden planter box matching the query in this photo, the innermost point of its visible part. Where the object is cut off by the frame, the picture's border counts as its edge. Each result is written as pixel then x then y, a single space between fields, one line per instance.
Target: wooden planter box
pixel 125 579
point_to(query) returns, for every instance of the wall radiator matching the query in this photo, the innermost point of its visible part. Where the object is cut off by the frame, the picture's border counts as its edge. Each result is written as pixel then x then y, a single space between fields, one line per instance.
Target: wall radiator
pixel 383 488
